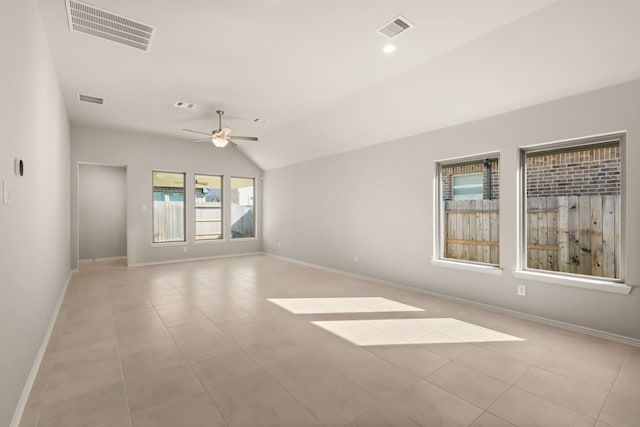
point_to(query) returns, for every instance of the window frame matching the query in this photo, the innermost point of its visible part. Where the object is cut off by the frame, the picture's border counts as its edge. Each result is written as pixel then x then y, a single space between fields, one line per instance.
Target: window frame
pixel 255 210
pixel 522 271
pixel 184 210
pixel 223 234
pixel 438 258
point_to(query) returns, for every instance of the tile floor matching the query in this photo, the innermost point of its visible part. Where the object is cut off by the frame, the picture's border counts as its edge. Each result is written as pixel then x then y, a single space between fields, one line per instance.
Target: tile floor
pixel 202 344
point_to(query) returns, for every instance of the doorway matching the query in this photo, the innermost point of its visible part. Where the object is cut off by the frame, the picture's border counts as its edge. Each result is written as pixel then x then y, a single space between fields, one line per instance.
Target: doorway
pixel 102 213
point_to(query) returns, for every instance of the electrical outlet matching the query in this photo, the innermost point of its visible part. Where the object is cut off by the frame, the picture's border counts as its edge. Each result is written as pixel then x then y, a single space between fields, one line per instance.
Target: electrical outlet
pixel 184 249
pixel 278 243
pixel 522 290
pixel 355 258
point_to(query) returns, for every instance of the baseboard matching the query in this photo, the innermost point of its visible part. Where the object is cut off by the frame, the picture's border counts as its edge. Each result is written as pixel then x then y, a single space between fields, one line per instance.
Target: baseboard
pixel 175 261
pixel 22 402
pixel 113 258
pixel 564 325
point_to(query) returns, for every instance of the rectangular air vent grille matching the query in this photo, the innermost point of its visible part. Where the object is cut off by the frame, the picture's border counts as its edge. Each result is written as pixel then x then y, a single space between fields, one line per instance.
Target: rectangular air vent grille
pixel 394 28
pixel 91 99
pixel 106 25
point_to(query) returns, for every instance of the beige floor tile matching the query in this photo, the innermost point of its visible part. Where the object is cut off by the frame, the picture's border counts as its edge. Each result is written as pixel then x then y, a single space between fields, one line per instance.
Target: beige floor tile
pixel 119 422
pixel 74 381
pixel 158 387
pixel 449 351
pixel 593 349
pixel 147 361
pixel 286 412
pixel 194 410
pixel 264 365
pixel 381 378
pixel 76 357
pixel 429 405
pixel 246 394
pixel 30 417
pixel 132 341
pixel 383 415
pixel 92 408
pixel 632 361
pixel 207 346
pixel 489 420
pixel 597 374
pixel 576 395
pixel 192 330
pixel 468 384
pixel 133 305
pixel 137 322
pixel 223 368
pixel 93 322
pixel 522 350
pixel 620 411
pixel 180 317
pixel 86 337
pixel 525 409
pixel 628 384
pixel 497 365
pixel 412 358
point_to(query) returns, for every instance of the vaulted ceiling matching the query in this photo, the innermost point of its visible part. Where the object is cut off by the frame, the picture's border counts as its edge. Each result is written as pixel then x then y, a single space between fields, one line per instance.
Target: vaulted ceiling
pixel 316 73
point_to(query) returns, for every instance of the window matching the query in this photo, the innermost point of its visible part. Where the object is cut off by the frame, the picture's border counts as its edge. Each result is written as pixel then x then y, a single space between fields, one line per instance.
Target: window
pixel 168 207
pixel 467 186
pixel 208 207
pixel 572 207
pixel 242 208
pixel 468 218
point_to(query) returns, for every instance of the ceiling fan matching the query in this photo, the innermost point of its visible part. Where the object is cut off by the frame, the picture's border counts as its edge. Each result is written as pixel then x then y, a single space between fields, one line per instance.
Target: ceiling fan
pixel 221 137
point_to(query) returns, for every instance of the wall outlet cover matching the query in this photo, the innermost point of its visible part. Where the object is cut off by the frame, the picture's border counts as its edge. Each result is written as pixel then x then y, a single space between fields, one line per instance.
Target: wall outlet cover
pixel 522 290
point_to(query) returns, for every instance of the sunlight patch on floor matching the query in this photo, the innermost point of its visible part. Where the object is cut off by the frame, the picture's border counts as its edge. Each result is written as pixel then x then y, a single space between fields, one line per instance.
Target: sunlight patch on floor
pixel 411 331
pixel 341 305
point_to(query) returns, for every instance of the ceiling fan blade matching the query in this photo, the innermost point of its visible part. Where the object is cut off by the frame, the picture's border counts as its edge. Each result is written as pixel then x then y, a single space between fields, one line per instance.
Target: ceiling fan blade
pixel 231 143
pixel 245 138
pixel 197 131
pixel 202 140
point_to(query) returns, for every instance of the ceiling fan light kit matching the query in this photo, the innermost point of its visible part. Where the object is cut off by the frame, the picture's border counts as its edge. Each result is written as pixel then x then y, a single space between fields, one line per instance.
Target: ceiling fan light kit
pixel 222 136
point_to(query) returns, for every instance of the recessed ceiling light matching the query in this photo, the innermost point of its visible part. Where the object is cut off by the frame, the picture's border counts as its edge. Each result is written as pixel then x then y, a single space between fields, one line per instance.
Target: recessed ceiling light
pixel 182 104
pixel 389 48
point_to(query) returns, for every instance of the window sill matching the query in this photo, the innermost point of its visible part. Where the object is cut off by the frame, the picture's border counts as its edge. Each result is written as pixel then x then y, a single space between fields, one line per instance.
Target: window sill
pixel 209 241
pixel 576 282
pixel 476 268
pixel 166 244
pixel 243 239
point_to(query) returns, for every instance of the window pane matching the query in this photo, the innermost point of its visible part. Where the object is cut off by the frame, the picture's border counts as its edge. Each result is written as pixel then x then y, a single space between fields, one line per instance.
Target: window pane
pixel 469 217
pixel 242 208
pixel 168 207
pixel 573 210
pixel 208 207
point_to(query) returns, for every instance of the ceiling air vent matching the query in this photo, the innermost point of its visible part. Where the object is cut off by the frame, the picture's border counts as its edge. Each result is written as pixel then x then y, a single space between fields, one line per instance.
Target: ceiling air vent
pixel 91 99
pixel 394 28
pixel 108 26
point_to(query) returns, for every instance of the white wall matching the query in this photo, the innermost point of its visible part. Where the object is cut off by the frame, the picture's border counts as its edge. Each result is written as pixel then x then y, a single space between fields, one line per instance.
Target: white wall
pixel 102 209
pixel 377 202
pixel 143 153
pixel 34 228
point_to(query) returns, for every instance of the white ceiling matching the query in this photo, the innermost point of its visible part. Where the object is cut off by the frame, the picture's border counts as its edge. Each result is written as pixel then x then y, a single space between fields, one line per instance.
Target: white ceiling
pixel 316 72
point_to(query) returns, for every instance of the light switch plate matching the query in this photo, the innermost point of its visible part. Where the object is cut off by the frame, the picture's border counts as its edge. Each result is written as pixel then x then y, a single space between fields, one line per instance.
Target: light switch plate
pixel 6 195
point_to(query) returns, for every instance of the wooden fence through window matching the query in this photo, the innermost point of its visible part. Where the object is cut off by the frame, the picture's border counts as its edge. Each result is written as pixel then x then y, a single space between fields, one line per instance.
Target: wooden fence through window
pixel 573 234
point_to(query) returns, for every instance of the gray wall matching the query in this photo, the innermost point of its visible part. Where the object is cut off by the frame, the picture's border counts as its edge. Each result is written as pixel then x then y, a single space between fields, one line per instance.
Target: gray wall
pixel 34 228
pixel 142 153
pixel 102 210
pixel 377 203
